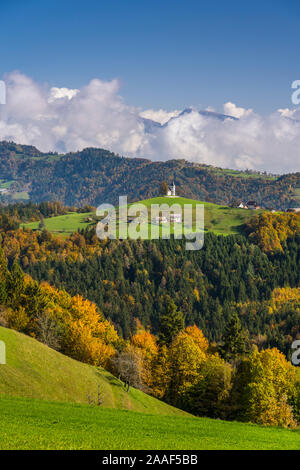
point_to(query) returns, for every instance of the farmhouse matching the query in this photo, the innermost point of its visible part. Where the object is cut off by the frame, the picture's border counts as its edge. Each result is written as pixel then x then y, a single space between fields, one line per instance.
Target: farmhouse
pixel 176 217
pixel 252 205
pixel 294 209
pixel 161 219
pixel 168 218
pixel 238 204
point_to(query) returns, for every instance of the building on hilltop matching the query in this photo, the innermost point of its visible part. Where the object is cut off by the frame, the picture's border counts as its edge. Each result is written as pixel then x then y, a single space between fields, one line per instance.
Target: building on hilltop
pixel 166 218
pixel 252 205
pixel 176 217
pixel 171 191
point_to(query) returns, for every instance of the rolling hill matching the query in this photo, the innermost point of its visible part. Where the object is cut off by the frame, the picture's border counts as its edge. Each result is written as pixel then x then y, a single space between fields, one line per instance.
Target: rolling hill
pixel 94 176
pixel 35 371
pixel 221 220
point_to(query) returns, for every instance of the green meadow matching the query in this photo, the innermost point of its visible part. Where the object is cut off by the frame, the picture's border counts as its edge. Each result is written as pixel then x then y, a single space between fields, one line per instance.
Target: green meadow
pixel 63 225
pixel 31 424
pixel 221 220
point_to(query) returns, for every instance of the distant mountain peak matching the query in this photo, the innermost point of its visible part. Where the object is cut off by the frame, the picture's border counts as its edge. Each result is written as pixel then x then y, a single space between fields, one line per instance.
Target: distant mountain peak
pixel 151 125
pixel 206 113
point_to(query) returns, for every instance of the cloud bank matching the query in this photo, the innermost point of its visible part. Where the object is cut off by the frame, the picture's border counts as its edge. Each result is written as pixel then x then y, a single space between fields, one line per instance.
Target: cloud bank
pixel 63 120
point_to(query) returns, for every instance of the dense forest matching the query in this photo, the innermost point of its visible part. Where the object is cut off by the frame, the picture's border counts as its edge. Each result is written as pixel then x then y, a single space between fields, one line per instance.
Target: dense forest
pixel 233 379
pixel 94 176
pixel 133 280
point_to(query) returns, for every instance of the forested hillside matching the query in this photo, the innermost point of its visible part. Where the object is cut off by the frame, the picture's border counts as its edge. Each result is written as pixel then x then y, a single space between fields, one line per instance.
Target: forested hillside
pixel 225 380
pixel 208 331
pixel 130 280
pixel 94 176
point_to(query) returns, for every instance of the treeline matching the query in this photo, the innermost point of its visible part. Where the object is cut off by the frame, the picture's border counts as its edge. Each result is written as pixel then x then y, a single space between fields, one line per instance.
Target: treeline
pixel 94 176
pixel 230 381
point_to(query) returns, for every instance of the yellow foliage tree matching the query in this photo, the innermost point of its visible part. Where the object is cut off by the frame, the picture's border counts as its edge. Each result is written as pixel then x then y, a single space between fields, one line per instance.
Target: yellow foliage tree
pixel 269 387
pixel 187 353
pixel 146 346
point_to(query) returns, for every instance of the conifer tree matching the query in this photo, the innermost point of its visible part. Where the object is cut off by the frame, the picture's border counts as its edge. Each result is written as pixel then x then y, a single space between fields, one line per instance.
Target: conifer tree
pixel 3 277
pixel 235 339
pixel 171 322
pixel 16 285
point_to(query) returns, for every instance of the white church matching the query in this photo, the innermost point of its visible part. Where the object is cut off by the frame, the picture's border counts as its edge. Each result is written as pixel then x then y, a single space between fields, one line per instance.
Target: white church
pixel 171 191
pixel 168 217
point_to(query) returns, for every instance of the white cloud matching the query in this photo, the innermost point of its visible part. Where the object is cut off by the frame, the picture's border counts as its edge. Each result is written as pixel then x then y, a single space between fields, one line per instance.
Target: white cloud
pixel 232 110
pixel 60 93
pixel 96 115
pixel 69 120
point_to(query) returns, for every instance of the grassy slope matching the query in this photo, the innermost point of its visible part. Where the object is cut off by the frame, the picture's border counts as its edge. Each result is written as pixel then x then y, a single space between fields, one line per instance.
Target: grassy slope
pixel 64 224
pixel 30 424
pixel 221 220
pixel 125 421
pixel 35 371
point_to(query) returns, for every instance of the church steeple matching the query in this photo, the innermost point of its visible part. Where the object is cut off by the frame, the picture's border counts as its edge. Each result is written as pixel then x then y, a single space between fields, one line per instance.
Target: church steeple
pixel 173 189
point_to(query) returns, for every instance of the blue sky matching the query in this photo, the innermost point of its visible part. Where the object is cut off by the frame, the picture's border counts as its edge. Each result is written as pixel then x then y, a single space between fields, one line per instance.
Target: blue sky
pixel 168 54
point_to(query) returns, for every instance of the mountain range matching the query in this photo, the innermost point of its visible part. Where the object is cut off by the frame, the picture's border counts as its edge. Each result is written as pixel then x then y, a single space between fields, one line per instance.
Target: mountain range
pixel 151 125
pixel 93 176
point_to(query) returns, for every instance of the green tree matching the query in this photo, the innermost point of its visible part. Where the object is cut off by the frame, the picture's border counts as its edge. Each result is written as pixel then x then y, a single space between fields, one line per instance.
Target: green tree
pixel 235 340
pixel 209 396
pixel 171 322
pixel 16 285
pixel 265 389
pixel 42 224
pixel 3 277
pixel 163 188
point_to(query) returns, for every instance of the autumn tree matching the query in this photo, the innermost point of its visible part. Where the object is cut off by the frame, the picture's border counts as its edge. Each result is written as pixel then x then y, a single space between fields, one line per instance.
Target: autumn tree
pixel 163 188
pixel 128 366
pixel 265 389
pixel 146 345
pixel 187 353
